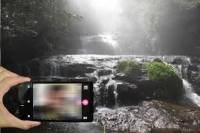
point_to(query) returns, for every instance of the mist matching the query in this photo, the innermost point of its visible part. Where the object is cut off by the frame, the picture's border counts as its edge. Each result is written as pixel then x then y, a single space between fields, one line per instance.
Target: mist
pixel 139 27
pixel 114 27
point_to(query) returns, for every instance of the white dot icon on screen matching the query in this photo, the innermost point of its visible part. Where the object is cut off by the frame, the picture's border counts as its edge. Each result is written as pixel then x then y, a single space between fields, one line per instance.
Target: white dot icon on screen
pixel 84 118
pixel 85 87
pixel 28 101
pixel 28 86
pixel 28 116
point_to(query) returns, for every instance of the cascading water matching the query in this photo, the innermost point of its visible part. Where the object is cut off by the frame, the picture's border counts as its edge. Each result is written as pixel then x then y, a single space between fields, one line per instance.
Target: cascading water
pixel 190 94
pixel 93 44
pixel 55 69
pixel 115 94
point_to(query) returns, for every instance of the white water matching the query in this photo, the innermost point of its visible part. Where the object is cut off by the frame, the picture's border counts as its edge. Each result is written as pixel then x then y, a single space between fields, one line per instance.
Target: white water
pixel 189 93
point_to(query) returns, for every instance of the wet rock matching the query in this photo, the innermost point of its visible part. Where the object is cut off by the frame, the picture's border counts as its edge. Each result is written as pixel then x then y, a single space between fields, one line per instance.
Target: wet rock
pixel 93 79
pixel 151 115
pixel 193 76
pixel 179 61
pixel 73 70
pixel 104 80
pixel 58 68
pixel 193 67
pixel 195 60
pixel 157 60
pixel 119 76
pixel 90 69
pixel 128 94
pixel 103 72
pixel 148 89
pixel 143 89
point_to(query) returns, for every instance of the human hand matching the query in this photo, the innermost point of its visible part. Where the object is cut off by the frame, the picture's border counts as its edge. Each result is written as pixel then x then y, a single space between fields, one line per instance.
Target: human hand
pixel 7 80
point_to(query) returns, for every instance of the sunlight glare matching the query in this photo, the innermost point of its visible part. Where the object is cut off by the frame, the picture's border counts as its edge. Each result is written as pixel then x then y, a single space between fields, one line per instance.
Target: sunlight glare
pixel 108 39
pixel 106 5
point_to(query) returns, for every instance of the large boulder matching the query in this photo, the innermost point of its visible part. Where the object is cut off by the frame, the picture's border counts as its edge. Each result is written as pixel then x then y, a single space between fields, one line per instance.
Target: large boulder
pixel 166 79
pixel 148 89
pixel 127 94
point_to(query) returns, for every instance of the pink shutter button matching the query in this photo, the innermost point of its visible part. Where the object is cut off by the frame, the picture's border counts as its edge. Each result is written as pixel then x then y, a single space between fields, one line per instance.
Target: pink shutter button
pixel 85 102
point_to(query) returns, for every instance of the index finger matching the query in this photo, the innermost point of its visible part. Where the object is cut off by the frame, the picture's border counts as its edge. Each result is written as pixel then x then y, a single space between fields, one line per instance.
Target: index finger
pixel 6 73
pixel 8 82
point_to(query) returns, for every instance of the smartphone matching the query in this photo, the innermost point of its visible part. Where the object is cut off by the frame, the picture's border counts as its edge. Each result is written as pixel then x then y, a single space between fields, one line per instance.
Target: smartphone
pixel 56 102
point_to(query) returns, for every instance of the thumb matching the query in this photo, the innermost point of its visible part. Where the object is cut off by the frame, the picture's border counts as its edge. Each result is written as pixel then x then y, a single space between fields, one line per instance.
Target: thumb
pixel 28 124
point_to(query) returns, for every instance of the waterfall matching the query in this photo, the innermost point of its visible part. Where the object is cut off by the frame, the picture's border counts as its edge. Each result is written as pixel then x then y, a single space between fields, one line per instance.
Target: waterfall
pixel 55 69
pixel 115 94
pixel 190 94
pixel 98 43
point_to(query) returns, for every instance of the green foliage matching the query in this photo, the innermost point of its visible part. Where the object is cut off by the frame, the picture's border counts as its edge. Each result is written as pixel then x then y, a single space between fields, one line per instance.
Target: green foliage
pixel 121 66
pixel 131 69
pixel 34 28
pixel 166 78
pixel 159 72
pixel 32 18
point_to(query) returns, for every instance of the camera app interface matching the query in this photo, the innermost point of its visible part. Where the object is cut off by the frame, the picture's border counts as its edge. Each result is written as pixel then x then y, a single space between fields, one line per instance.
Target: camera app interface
pixel 57 101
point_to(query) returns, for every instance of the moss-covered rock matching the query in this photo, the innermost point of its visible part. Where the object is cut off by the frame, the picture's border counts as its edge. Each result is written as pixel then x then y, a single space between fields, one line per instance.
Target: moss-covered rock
pixel 157 60
pixel 131 69
pixel 166 79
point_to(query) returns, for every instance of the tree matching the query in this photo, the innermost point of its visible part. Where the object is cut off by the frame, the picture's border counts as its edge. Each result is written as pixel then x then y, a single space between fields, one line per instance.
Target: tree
pixel 32 27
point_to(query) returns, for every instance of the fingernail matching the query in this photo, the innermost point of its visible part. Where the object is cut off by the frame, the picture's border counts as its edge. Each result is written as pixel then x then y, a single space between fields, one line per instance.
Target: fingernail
pixel 36 123
pixel 27 79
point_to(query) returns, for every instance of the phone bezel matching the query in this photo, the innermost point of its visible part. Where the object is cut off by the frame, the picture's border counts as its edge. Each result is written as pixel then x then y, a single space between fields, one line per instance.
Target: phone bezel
pixel 27 108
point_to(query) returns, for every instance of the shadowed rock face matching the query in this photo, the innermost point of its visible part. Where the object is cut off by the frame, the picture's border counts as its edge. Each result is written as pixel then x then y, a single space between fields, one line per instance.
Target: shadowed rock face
pixel 120 104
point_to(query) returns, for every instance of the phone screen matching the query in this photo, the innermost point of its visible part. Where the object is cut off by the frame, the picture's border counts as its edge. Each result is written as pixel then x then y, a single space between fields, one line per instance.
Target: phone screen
pixel 58 102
